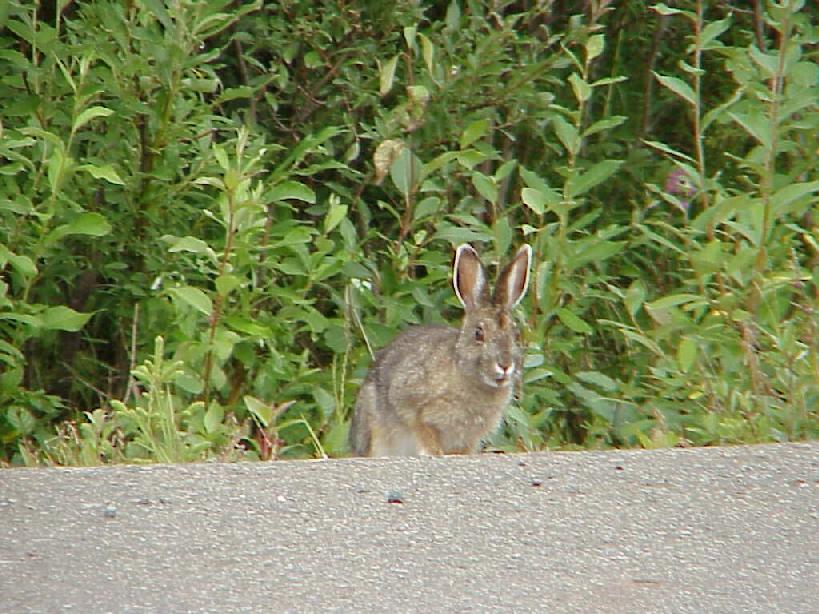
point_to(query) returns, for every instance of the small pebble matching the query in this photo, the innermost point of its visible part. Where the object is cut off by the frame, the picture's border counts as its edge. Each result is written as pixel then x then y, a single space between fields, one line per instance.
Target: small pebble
pixel 394 497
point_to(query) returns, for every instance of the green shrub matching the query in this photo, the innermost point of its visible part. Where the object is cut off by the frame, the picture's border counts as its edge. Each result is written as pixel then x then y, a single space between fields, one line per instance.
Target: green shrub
pixel 274 190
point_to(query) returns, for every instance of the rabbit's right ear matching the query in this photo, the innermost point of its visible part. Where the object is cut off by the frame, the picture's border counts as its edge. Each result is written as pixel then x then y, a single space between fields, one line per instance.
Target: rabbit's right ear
pixel 514 279
pixel 469 278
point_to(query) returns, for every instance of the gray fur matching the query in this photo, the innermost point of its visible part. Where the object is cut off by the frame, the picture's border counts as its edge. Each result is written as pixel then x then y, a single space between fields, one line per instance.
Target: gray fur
pixel 440 390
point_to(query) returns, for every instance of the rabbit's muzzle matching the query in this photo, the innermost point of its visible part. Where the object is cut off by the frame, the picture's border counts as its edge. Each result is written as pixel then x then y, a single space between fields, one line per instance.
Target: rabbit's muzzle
pixel 503 374
pixel 499 374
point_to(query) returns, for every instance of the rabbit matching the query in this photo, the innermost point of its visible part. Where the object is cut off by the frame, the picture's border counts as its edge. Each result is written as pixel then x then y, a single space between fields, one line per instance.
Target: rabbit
pixel 439 390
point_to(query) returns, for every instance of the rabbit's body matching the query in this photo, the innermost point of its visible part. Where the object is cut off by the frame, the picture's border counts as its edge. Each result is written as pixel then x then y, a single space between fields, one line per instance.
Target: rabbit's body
pixel 440 390
pixel 402 399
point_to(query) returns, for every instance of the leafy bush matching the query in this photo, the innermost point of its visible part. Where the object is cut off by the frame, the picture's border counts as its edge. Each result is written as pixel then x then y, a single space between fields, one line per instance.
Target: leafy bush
pixel 257 196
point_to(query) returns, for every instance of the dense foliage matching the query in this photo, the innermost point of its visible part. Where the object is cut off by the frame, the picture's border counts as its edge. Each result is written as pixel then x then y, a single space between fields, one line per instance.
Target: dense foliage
pixel 212 212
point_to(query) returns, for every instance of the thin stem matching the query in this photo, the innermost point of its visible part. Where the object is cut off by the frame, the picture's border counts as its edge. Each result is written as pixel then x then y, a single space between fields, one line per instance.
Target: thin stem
pixel 698 136
pixel 219 299
pixel 766 181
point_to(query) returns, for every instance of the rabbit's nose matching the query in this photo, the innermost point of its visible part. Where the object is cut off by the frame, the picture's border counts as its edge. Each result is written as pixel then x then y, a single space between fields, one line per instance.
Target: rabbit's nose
pixel 504 371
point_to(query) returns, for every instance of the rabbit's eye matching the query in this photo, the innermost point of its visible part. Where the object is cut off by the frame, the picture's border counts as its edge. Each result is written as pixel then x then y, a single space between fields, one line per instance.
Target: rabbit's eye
pixel 480 335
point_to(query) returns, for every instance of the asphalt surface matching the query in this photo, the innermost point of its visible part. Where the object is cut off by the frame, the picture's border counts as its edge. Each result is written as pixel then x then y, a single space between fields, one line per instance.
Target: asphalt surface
pixel 697 530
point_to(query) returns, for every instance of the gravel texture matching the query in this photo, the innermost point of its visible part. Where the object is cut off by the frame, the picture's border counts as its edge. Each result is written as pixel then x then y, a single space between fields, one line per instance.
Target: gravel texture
pixel 696 530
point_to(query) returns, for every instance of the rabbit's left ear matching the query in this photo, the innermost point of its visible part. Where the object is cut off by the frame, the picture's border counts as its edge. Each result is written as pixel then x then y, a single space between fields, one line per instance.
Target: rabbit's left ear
pixel 514 279
pixel 469 278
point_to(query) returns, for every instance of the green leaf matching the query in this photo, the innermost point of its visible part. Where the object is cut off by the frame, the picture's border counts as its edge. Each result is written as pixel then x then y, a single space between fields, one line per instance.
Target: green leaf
pixel 262 412
pixel 410 32
pixel 567 134
pixel 227 283
pixel 642 340
pixel 713 30
pixel 21 420
pixel 608 81
pixel 602 381
pixel 189 382
pixel 205 86
pixel 635 297
pixel 804 74
pixel 485 186
pixel 790 193
pixel 604 124
pixel 427 207
pixel 573 322
pixel 235 93
pixel 307 144
pixel 453 16
pixel 247 326
pixel 428 51
pixel 755 124
pixel 312 59
pixel 325 401
pixel 668 150
pixel 673 300
pixel 221 157
pixel 456 234
pixel 292 190
pixel 439 162
pixel 193 297
pixel 595 46
pixel 588 397
pixel 474 131
pixel 664 10
pixel 63 318
pixel 538 200
pixel 686 354
pixel 470 158
pixel 22 264
pixel 533 180
pixel 599 251
pixel 720 110
pixel 88 223
pixel 582 90
pixel 334 439
pixel 710 258
pixel 580 184
pixel 505 169
pixel 187 244
pixel 405 171
pixel 679 87
pixel 334 216
pixel 58 164
pixel 422 297
pixel 214 417
pixel 768 62
pixel 105 171
pixel 386 73
pixel 503 234
pixel 30 320
pixel 89 114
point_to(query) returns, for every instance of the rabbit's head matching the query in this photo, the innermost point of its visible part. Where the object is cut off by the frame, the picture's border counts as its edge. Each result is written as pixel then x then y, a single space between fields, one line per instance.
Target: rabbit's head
pixel 488 348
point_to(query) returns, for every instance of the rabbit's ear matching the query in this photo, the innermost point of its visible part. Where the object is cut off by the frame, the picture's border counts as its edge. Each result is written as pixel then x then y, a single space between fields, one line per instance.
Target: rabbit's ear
pixel 514 279
pixel 469 278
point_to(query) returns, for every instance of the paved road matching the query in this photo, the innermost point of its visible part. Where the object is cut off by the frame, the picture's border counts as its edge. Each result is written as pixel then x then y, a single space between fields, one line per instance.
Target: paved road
pixel 699 530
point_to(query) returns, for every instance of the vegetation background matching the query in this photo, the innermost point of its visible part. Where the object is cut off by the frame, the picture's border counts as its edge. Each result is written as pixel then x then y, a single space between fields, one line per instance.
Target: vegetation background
pixel 213 211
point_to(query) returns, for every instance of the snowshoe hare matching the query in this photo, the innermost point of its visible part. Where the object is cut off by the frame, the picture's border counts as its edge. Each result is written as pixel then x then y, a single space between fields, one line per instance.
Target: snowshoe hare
pixel 440 390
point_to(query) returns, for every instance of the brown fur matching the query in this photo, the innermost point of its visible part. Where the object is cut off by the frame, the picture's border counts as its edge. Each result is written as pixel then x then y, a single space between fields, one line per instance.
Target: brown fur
pixel 440 390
